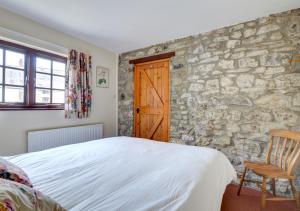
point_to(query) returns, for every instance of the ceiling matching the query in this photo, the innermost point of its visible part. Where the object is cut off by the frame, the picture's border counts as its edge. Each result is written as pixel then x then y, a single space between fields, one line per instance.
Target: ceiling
pixel 124 25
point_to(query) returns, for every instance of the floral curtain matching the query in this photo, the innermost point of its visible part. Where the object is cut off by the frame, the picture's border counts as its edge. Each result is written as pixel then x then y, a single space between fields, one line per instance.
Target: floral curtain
pixel 78 85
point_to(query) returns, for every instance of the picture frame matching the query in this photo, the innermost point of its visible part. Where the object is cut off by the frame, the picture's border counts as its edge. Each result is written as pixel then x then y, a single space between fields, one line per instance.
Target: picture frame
pixel 102 77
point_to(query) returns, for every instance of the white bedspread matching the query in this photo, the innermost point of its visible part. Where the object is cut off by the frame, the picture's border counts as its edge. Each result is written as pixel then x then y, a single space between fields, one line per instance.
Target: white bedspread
pixel 130 174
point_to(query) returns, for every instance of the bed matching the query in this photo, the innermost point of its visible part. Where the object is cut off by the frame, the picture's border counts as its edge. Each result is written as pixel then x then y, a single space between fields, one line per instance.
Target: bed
pixel 124 173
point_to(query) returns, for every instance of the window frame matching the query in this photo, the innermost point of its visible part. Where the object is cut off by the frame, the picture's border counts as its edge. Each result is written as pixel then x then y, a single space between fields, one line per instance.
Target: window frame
pixel 29 78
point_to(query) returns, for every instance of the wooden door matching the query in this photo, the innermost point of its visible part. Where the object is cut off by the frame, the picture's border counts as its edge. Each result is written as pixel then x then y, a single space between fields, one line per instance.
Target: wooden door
pixel 152 100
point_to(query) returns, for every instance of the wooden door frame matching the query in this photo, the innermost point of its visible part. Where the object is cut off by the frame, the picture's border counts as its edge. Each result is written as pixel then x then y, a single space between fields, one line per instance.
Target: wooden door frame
pixel 145 60
pixel 152 58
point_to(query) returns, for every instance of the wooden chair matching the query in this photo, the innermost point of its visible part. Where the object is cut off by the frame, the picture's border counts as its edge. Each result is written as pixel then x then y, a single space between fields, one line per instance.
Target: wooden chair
pixel 283 154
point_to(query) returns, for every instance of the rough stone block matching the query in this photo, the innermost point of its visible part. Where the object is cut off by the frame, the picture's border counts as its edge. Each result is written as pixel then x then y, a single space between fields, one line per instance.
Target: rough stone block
pixel 268 28
pixel 274 70
pixel 226 64
pixel 248 62
pixel 221 38
pixel 208 60
pixel 249 32
pixel 274 100
pixel 212 84
pixel 245 80
pixel 225 81
pixel 236 35
pixel 296 100
pixel 196 87
pixel 222 141
pixel 233 43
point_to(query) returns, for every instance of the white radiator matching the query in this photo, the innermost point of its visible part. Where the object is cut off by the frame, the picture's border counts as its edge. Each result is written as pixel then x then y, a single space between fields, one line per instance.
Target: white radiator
pixel 46 139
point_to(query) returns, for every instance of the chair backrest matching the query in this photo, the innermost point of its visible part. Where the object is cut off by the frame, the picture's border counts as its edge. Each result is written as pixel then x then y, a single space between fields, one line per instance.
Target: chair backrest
pixel 284 149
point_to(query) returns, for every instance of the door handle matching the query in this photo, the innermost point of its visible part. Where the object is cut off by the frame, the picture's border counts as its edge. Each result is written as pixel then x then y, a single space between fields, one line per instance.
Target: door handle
pixel 137 110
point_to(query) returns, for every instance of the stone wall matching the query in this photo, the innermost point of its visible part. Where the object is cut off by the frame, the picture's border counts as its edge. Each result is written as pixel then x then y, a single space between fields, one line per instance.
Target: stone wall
pixel 228 86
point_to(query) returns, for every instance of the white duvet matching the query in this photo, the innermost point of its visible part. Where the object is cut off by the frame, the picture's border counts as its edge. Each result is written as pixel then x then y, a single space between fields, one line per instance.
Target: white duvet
pixel 130 174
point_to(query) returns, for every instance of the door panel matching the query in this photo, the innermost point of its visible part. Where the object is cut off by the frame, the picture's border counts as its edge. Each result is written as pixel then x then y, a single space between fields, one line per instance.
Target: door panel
pixel 151 105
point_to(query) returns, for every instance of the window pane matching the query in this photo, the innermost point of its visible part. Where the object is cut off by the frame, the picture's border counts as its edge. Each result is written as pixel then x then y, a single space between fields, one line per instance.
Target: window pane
pixel 43 65
pixel 59 68
pixel 14 59
pixel 58 82
pixel 0 93
pixel 58 96
pixel 14 94
pixel 1 56
pixel 43 80
pixel 1 75
pixel 14 77
pixel 42 96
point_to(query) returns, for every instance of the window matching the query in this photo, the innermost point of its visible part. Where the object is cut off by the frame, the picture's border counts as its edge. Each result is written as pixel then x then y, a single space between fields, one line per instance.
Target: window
pixel 30 79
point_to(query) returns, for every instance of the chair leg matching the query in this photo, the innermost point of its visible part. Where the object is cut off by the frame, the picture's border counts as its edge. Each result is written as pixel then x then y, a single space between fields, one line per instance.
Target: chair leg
pixel 295 194
pixel 242 181
pixel 263 195
pixel 273 187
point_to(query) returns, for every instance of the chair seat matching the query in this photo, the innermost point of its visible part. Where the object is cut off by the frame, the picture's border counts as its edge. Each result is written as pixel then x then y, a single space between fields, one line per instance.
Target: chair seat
pixel 264 169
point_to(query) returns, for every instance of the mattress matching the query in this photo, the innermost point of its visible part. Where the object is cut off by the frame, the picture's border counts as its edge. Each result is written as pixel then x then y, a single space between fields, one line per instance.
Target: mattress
pixel 124 173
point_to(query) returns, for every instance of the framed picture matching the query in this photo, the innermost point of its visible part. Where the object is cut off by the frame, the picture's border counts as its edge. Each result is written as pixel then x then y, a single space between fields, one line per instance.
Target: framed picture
pixel 102 77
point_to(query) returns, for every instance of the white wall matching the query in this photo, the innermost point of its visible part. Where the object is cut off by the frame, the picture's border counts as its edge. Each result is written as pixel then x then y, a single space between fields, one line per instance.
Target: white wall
pixel 15 124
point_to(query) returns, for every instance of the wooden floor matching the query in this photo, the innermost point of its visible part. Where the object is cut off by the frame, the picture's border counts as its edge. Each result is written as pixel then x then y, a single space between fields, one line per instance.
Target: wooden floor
pixel 249 200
